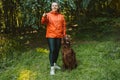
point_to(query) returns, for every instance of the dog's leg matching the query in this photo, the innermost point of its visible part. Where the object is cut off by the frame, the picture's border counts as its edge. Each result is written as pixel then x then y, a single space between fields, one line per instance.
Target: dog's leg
pixel 64 63
pixel 74 59
pixel 63 60
pixel 63 67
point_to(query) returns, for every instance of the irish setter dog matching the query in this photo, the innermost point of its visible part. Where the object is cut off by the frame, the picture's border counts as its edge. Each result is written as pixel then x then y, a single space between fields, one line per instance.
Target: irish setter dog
pixel 68 55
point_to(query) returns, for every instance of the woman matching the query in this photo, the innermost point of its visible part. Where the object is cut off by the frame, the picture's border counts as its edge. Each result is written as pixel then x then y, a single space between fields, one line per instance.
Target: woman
pixel 56 29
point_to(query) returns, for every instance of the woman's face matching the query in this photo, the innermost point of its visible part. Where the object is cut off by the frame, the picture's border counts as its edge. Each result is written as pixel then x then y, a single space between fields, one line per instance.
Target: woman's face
pixel 54 6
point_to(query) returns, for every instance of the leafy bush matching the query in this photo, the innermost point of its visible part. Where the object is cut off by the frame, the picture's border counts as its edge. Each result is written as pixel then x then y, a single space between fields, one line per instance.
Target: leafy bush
pixel 98 28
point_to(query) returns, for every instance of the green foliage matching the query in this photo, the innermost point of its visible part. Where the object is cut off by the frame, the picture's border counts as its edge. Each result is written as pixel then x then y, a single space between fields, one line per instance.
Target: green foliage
pixel 97 28
pixel 27 13
pixel 85 3
pixel 32 10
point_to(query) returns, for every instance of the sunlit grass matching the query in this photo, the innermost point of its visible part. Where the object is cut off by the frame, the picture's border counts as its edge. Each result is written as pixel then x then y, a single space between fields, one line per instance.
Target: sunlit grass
pixel 26 75
pixel 42 50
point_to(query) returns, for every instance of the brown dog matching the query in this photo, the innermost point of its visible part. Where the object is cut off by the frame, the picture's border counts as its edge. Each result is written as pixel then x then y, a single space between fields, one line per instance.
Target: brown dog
pixel 68 55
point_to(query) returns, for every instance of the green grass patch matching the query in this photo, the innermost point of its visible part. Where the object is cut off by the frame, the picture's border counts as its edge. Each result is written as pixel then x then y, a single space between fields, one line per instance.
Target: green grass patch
pixel 96 61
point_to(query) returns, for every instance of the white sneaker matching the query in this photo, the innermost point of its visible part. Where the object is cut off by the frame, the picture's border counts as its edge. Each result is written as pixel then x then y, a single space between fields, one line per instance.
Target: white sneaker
pixel 52 71
pixel 56 66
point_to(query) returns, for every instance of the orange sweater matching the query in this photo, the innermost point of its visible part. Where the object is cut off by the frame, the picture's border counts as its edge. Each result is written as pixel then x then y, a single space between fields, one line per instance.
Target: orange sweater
pixel 56 25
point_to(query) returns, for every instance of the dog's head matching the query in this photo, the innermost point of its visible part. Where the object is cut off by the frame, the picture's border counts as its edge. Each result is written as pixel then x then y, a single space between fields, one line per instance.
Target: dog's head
pixel 66 41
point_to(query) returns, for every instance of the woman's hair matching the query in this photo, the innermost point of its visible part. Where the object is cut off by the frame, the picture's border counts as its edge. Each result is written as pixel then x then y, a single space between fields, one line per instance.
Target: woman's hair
pixel 58 6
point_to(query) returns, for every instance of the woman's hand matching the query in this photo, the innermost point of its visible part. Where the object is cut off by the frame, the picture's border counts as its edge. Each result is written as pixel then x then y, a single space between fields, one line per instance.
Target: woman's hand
pixel 44 14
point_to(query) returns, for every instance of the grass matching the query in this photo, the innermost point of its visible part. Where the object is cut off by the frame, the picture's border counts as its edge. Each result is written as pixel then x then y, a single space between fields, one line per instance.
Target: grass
pixel 97 60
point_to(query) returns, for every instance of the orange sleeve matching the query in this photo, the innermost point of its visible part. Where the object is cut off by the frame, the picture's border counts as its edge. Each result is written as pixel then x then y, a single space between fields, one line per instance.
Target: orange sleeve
pixel 44 20
pixel 64 27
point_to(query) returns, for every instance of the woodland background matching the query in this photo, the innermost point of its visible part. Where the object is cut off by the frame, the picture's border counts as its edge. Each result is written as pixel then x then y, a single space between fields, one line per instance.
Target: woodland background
pixel 94 26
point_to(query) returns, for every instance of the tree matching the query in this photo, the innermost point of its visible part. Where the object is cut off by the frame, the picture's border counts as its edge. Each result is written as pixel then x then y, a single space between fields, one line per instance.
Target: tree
pixel 21 14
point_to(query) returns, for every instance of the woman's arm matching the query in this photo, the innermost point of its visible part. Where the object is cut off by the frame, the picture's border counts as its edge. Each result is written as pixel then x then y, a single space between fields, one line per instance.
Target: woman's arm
pixel 44 19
